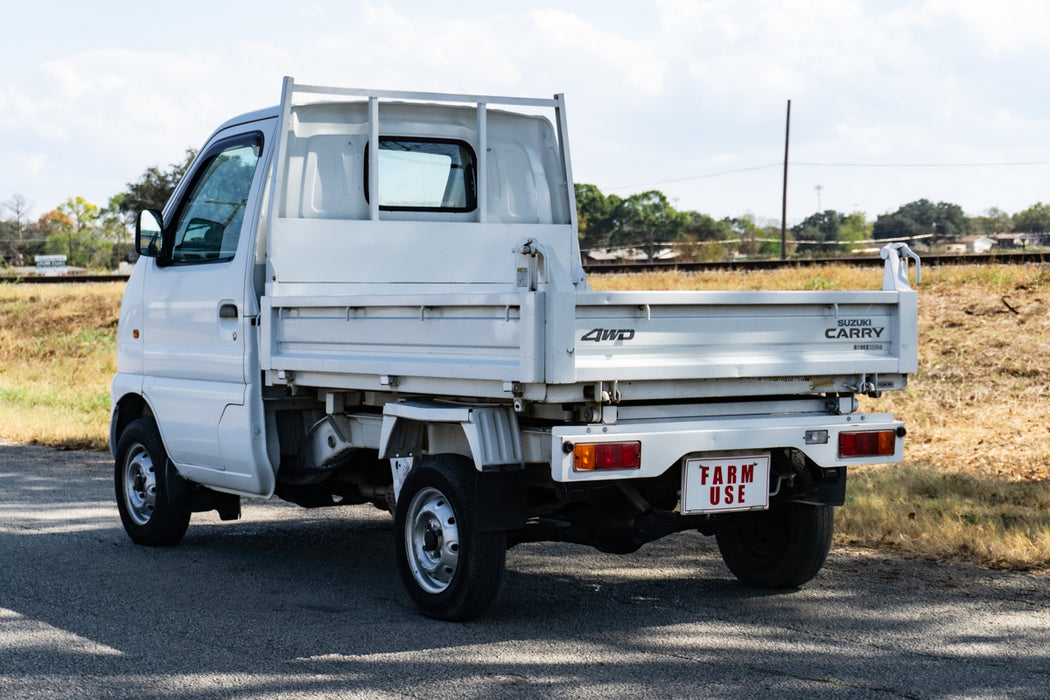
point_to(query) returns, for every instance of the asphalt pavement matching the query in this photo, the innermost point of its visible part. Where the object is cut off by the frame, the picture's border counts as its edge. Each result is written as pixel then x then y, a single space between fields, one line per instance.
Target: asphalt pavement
pixel 294 603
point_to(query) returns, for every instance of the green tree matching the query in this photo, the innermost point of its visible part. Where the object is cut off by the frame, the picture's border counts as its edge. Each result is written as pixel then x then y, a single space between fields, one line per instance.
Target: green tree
pixel 855 228
pixel 1034 219
pixel 704 227
pixel 57 229
pixel 991 222
pixel 921 218
pixel 83 218
pixel 117 225
pixel 153 189
pixel 750 234
pixel 702 237
pixel 826 232
pixel 76 228
pixel 598 216
pixel 820 232
pixel 769 245
pixel 649 222
pixel 8 243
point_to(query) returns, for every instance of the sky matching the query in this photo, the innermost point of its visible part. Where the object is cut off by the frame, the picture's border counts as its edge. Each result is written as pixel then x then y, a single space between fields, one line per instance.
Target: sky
pixel 891 101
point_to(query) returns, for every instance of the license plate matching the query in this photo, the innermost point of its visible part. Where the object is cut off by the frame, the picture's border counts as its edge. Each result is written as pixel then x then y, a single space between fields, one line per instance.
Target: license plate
pixel 725 484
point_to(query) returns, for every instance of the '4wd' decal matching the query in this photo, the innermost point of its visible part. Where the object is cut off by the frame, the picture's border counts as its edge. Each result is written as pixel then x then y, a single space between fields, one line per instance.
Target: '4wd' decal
pixel 600 334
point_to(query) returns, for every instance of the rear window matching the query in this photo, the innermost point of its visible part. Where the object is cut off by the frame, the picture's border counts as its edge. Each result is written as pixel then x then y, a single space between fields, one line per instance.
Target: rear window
pixel 425 175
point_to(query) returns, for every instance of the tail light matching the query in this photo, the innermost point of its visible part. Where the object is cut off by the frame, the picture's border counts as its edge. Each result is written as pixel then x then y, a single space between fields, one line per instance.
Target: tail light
pixel 607 455
pixel 874 443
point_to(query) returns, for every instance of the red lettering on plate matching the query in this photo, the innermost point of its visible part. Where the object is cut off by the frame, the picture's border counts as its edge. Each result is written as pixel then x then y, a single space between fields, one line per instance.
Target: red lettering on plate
pixel 718 474
pixel 703 474
pixel 727 495
pixel 731 474
pixel 747 472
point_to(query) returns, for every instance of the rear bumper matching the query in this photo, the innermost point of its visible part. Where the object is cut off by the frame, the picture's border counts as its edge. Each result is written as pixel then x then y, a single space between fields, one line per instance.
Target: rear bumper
pixel 666 442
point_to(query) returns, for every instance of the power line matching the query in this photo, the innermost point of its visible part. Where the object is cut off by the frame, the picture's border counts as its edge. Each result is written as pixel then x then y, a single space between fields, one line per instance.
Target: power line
pixel 817 164
pixel 716 241
pixel 1004 164
pixel 695 177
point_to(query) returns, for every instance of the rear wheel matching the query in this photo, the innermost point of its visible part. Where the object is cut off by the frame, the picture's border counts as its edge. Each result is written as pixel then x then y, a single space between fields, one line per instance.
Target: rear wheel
pixel 785 548
pixel 451 570
pixel 151 509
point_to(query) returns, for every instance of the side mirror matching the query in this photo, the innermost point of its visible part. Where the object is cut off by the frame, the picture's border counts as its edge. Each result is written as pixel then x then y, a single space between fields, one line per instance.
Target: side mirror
pixel 149 233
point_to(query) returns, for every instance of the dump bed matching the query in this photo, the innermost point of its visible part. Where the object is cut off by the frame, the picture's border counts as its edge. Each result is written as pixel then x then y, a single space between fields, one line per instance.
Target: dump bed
pixel 479 291
pixel 554 346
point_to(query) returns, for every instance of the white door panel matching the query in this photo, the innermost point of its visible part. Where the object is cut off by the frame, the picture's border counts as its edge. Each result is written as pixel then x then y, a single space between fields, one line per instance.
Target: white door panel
pixel 196 343
pixel 190 411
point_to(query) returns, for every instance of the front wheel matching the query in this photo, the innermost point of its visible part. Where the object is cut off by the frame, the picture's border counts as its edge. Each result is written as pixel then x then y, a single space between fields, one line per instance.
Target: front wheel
pixel 451 570
pixel 150 509
pixel 784 548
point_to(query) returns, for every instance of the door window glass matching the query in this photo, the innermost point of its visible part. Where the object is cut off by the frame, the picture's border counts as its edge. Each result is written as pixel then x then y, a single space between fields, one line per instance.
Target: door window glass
pixel 208 225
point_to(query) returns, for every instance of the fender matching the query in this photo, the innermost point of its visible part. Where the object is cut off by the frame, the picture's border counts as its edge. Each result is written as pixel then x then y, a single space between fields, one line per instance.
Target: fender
pixel 492 434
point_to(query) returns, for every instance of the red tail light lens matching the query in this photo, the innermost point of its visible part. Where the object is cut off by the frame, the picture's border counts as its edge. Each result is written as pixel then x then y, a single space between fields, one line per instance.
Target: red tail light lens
pixel 875 443
pixel 607 455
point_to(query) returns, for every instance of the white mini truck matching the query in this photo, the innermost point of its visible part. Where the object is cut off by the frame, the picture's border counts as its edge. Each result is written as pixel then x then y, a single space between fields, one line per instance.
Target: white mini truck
pixel 377 297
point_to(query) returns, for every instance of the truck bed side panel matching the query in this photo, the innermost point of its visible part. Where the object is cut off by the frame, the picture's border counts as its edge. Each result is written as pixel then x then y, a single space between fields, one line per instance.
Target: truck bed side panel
pixel 655 336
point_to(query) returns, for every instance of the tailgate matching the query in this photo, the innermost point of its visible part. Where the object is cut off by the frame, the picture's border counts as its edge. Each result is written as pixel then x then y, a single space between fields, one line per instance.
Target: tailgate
pixel 631 336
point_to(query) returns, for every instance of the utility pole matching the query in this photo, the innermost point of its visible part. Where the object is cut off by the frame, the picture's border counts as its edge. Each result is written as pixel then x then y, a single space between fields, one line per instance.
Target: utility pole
pixel 784 201
pixel 818 188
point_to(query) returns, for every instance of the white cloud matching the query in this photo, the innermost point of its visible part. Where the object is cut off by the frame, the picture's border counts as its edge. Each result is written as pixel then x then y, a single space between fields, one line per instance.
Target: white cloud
pixel 1012 27
pixel 657 91
pixel 603 55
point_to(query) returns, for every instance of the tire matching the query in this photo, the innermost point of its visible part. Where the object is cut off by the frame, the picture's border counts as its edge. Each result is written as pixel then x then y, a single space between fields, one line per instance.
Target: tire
pixel 152 507
pixel 784 549
pixel 450 569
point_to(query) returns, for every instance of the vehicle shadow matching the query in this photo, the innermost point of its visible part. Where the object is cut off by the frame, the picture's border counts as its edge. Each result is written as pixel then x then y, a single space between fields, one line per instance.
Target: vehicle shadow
pixel 302 603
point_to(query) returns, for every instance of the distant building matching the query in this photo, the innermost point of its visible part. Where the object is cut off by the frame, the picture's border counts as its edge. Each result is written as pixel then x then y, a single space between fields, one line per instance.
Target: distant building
pixel 1019 240
pixel 51 265
pixel 973 244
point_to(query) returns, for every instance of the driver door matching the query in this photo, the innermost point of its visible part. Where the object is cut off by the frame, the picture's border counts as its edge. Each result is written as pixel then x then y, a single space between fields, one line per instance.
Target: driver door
pixel 195 331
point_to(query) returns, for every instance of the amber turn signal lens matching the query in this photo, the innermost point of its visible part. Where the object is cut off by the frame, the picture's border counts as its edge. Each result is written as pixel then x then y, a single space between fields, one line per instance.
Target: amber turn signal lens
pixel 607 455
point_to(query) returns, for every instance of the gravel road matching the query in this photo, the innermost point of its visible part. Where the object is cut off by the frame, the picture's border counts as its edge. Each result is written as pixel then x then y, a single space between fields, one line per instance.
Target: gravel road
pixel 290 603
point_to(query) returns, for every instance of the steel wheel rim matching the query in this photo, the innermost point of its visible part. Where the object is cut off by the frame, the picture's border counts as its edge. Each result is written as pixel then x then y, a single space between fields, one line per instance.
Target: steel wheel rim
pixel 432 540
pixel 140 484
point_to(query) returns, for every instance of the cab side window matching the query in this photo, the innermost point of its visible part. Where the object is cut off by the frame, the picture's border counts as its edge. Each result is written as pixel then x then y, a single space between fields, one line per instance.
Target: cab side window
pixel 208 223
pixel 424 174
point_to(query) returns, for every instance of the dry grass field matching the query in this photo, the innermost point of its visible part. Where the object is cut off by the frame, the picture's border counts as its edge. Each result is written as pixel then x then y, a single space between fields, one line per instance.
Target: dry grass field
pixel 976 480
pixel 975 484
pixel 57 357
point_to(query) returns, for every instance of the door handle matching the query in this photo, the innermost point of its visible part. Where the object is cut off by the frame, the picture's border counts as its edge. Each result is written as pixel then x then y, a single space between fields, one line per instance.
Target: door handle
pixel 228 311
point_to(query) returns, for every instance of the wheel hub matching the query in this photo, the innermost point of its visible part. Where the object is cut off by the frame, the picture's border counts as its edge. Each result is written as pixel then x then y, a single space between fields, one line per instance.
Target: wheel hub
pixel 140 484
pixel 432 540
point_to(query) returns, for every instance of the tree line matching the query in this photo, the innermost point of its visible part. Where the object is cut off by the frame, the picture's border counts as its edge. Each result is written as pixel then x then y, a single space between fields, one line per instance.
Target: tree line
pixel 90 236
pixel 97 237
pixel 648 223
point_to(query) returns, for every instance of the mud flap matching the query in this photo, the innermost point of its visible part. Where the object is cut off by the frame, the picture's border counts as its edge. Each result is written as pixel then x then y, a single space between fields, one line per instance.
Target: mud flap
pixel 500 501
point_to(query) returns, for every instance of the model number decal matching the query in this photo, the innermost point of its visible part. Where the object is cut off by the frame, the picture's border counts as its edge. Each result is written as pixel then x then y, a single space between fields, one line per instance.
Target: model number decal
pixel 600 334
pixel 854 328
